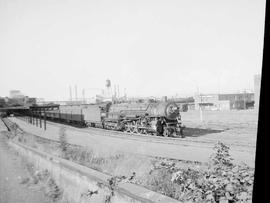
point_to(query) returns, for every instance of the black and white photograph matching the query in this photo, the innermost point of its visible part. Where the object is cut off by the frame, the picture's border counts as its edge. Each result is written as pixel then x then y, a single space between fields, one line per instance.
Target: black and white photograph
pixel 130 101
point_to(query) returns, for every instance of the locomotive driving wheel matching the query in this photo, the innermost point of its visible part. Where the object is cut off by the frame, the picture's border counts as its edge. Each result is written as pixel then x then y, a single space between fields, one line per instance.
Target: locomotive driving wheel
pixel 166 132
pixel 127 129
pixel 141 130
pixel 134 129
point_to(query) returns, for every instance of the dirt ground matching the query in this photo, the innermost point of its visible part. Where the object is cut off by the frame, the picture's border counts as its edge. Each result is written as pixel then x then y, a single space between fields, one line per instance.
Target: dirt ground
pixel 230 127
pixel 13 172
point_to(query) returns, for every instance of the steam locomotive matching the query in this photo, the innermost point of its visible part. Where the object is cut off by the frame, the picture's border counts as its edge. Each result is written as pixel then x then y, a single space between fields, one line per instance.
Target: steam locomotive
pixel 129 117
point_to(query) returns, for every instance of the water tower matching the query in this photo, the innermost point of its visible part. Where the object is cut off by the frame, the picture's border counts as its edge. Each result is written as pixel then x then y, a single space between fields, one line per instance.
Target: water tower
pixel 108 83
pixel 108 91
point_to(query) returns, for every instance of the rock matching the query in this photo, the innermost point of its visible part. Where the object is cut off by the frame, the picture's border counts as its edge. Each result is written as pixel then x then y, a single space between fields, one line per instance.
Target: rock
pixel 243 196
pixel 210 197
pixel 228 196
pixel 229 188
pixel 223 200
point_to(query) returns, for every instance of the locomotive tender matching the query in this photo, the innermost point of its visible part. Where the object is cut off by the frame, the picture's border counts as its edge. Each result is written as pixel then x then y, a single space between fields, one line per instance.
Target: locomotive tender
pixel 128 117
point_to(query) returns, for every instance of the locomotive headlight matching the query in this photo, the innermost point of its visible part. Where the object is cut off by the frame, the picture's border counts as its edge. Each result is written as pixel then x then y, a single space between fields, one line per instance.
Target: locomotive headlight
pixel 173 109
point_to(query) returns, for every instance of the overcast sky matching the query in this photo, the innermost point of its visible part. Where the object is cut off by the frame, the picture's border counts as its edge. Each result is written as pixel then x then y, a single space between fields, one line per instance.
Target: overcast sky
pixel 149 47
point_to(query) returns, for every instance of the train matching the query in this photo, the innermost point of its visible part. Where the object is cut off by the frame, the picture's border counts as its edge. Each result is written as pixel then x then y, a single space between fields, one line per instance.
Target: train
pixel 141 118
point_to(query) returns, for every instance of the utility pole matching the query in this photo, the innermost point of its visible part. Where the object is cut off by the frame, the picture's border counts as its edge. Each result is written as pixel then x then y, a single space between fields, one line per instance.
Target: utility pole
pixel 200 106
pixel 245 99
pixel 76 98
pixel 218 85
pixel 125 93
pixel 115 93
pixel 45 119
pixel 118 91
pixel 83 96
pixel 200 100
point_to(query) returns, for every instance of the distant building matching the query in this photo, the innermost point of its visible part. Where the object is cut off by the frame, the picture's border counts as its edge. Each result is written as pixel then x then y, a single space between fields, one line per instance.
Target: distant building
pixel 257 89
pixel 40 101
pixel 16 98
pixel 14 94
pixel 238 101
pixel 185 104
pixel 206 101
pixel 2 102
pixel 16 102
pixel 30 101
pixel 224 101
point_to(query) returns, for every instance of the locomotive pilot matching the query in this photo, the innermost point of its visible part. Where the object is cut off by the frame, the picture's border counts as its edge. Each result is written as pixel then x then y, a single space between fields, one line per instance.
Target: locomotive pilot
pixel 180 125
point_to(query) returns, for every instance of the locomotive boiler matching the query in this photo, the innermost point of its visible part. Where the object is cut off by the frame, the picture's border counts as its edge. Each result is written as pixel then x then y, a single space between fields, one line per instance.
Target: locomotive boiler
pixel 143 118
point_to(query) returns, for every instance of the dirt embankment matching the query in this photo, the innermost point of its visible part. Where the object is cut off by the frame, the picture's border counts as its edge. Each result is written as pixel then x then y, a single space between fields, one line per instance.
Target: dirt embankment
pixel 173 178
pixel 13 177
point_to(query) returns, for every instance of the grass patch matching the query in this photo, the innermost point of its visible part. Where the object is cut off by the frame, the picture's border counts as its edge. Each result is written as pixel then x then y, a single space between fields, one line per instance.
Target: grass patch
pixel 43 180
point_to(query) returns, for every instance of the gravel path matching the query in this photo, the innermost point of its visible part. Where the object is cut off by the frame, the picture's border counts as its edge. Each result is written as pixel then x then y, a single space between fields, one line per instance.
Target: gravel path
pixel 12 172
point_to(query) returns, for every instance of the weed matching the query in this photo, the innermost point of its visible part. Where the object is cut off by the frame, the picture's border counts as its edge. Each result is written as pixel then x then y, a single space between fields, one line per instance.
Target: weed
pixel 20 139
pixel 25 180
pixel 89 193
pixel 7 134
pixel 43 179
pixel 63 141
pixel 52 190
pixel 113 183
pixel 221 157
pixel 160 180
pixel 222 180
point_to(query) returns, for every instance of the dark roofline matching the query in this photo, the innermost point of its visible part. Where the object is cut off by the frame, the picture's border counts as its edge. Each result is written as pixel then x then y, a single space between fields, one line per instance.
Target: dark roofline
pixel 44 106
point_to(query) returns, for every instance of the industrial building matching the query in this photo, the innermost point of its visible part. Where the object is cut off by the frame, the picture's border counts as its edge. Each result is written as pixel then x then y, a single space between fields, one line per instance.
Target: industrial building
pixel 185 104
pixel 224 101
pixel 2 102
pixel 16 98
pixel 15 94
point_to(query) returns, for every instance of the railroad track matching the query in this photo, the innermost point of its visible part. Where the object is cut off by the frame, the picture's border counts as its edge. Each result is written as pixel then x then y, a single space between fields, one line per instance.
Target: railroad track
pixel 188 141
pixel 146 145
pixel 9 123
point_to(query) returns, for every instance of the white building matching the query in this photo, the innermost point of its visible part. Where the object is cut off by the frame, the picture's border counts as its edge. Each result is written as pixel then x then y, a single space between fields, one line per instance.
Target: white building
pixel 15 94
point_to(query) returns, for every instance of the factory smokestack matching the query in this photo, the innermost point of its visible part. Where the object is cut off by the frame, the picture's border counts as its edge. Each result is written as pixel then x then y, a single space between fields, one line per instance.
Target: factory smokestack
pixel 70 93
pixel 76 98
pixel 83 95
pixel 115 91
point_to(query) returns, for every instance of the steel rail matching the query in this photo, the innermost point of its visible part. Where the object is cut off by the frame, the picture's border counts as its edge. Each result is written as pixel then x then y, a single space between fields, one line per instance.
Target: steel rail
pixel 146 137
